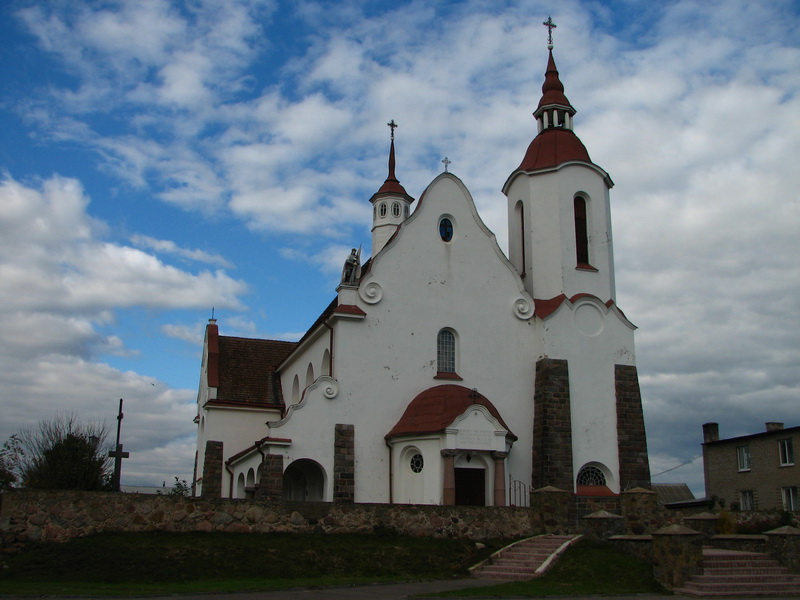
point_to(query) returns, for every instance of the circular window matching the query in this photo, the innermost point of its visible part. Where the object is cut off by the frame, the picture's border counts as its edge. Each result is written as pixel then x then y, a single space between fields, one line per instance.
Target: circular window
pixel 416 463
pixel 446 229
pixel 396 209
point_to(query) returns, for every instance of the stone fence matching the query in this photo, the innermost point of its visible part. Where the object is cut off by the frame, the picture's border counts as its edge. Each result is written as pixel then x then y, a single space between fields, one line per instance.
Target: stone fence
pixel 671 540
pixel 32 516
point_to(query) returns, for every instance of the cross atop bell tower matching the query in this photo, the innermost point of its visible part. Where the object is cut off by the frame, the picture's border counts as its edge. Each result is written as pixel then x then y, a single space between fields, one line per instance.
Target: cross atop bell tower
pixel 550 26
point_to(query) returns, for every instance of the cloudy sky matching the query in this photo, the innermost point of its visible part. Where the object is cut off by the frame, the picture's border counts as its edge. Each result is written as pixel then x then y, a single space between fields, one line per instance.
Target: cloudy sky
pixel 162 157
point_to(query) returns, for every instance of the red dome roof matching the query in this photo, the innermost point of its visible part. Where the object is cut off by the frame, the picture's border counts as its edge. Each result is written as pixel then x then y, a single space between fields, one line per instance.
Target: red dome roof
pixel 553 147
pixel 436 408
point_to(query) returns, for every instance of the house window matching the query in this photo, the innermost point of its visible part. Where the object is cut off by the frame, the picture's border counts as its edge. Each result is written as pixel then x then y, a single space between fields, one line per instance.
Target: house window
pixel 786 451
pixel 746 500
pixel 383 209
pixel 743 456
pixel 446 352
pixel 581 232
pixel 396 209
pixel 790 501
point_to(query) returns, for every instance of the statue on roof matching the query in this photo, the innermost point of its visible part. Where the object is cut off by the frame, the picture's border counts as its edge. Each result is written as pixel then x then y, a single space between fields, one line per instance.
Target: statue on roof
pixel 352 268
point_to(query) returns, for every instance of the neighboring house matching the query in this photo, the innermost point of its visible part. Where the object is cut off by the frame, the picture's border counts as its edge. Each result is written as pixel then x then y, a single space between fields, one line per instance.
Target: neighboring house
pixel 753 472
pixel 445 372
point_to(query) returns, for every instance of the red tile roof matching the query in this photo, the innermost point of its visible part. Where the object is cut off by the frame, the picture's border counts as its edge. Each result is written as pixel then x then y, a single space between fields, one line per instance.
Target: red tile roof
pixel 436 408
pixel 246 371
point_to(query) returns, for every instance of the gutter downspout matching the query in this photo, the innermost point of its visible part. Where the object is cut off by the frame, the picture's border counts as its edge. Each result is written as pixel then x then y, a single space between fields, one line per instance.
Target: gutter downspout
pixel 391 472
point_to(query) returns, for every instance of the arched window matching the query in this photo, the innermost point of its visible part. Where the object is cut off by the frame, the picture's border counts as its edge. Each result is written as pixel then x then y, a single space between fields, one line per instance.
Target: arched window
pixel 591 475
pixel 519 209
pixel 382 209
pixel 446 351
pixel 581 232
pixel 296 390
pixel 326 363
pixel 396 209
pixel 309 375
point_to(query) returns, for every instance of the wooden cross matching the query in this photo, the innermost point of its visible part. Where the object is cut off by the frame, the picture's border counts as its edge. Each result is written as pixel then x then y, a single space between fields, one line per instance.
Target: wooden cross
pixel 118 454
pixel 550 26
pixel 392 125
pixel 446 162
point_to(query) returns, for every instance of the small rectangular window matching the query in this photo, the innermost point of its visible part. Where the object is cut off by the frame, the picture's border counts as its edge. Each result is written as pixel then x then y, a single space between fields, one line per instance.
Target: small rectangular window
pixel 746 500
pixel 743 456
pixel 790 501
pixel 786 451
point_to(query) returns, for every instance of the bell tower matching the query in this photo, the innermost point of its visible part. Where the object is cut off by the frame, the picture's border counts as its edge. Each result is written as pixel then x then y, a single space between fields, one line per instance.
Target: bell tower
pixel 391 205
pixel 558 205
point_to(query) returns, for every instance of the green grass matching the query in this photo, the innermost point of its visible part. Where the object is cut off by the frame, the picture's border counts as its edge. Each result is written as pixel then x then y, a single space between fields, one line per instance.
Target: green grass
pixel 158 563
pixel 165 563
pixel 585 568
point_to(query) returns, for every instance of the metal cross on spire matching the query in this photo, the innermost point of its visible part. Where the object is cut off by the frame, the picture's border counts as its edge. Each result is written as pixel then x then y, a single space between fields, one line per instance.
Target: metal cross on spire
pixel 392 125
pixel 550 26
pixel 446 161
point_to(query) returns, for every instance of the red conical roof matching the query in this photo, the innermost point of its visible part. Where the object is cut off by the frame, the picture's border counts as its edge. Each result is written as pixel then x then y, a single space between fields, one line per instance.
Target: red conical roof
pixel 552 88
pixel 392 185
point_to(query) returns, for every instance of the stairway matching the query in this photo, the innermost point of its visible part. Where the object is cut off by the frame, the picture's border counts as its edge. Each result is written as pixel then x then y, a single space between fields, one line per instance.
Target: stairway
pixel 525 559
pixel 733 573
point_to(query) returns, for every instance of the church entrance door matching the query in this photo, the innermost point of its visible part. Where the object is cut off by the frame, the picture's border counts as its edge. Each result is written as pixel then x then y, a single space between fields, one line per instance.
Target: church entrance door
pixel 470 487
pixel 303 481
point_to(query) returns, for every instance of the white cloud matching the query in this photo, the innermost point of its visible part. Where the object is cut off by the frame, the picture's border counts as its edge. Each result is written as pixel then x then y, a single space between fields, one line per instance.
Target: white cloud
pixel 170 247
pixel 691 108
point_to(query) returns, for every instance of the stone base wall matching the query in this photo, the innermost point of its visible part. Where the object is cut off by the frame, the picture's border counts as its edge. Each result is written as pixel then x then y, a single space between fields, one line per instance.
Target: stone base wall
pixel 552 426
pixel 33 516
pixel 634 468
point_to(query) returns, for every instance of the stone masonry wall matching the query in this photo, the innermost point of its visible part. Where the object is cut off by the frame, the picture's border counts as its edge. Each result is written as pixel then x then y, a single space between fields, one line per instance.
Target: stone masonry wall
pixel 344 468
pixel 212 470
pixel 552 426
pixel 634 468
pixel 32 516
pixel 271 485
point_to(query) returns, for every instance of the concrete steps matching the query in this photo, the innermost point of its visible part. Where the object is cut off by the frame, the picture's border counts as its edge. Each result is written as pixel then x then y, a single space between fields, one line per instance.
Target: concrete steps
pixel 732 573
pixel 526 559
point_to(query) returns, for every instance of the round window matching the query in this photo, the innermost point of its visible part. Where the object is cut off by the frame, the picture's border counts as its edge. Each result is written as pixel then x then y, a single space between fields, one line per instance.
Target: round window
pixel 446 229
pixel 416 463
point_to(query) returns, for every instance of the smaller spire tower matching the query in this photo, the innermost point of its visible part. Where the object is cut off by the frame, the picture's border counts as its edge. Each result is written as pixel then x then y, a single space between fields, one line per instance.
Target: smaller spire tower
pixel 391 204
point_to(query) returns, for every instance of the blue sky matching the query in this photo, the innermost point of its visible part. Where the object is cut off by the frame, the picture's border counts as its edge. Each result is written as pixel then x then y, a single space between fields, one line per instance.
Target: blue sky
pixel 160 158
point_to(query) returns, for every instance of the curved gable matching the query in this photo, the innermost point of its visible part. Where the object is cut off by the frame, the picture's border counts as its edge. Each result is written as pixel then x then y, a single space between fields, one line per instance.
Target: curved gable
pixel 435 409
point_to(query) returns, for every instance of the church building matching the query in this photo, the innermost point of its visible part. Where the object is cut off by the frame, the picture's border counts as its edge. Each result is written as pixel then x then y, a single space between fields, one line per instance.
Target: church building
pixel 444 371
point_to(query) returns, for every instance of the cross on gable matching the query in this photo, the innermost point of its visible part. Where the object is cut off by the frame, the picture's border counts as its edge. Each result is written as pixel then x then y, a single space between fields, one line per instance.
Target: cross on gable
pixel 446 162
pixel 550 26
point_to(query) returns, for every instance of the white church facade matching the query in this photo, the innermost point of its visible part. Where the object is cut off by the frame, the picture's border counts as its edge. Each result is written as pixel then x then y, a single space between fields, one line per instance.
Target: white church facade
pixel 445 372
